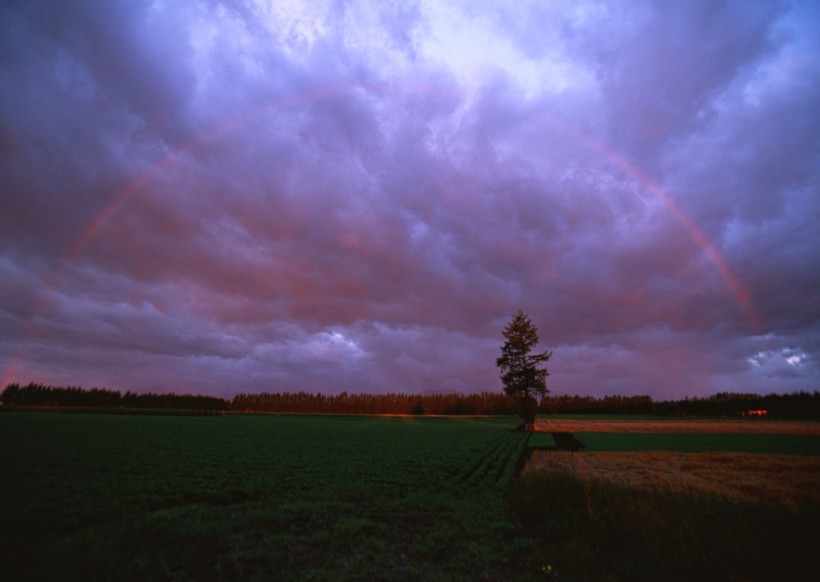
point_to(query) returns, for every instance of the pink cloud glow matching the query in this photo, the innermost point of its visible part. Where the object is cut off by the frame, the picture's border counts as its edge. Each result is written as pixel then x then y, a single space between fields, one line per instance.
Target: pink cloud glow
pixel 285 204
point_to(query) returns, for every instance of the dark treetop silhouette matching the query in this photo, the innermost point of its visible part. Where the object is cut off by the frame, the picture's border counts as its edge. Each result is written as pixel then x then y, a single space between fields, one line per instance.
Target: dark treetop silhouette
pixel 520 371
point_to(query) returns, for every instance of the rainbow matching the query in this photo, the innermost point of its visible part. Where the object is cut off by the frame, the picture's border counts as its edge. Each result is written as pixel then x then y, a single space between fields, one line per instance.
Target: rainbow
pixel 741 294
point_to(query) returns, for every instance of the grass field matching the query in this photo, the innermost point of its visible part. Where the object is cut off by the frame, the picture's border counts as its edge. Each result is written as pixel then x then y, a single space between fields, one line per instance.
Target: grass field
pixel 675 499
pixel 266 497
pixel 789 480
pixel 691 442
pixel 656 425
pixel 373 498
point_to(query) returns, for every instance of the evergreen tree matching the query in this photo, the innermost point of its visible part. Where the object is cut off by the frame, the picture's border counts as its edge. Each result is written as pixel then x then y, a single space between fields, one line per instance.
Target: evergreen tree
pixel 520 369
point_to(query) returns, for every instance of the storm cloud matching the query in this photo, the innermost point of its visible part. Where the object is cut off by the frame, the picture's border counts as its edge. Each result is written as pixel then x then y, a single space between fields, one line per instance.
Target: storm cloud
pixel 223 197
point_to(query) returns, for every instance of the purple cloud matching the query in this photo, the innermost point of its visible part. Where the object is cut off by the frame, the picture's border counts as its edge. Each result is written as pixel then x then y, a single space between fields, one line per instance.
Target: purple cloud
pixel 321 197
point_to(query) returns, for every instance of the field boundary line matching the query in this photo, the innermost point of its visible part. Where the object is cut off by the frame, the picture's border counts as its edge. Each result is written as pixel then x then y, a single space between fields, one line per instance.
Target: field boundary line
pixel 713 426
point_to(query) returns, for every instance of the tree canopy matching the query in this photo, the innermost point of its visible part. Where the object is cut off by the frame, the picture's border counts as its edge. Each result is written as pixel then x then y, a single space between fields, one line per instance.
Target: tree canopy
pixel 521 370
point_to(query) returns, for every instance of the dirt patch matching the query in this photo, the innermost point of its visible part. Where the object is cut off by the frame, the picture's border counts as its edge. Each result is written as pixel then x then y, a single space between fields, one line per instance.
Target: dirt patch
pixel 738 426
pixel 780 479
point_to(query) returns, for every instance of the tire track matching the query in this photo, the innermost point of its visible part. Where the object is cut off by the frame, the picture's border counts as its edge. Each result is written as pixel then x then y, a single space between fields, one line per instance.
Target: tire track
pixel 510 464
pixel 459 476
pixel 489 467
pixel 493 461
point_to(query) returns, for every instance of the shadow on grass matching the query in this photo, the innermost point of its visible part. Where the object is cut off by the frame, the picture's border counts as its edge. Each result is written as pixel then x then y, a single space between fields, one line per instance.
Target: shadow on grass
pixel 595 530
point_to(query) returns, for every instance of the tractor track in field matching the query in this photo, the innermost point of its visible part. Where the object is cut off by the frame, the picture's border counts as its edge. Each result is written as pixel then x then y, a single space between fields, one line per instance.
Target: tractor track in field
pixel 514 459
pixel 494 468
pixel 490 467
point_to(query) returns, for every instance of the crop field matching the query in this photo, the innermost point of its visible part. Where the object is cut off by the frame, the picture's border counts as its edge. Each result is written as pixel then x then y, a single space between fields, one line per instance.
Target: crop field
pixel 265 497
pixel 675 499
pixel 789 480
pixel 690 442
pixel 96 496
pixel 655 425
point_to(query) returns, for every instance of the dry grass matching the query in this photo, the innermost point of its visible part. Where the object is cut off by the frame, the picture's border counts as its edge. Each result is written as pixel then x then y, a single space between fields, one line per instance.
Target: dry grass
pixel 742 426
pixel 784 479
pixel 612 533
pixel 778 479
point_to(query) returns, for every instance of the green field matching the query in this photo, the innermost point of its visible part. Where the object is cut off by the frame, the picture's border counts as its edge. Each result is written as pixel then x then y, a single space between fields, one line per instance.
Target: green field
pixel 121 497
pixel 690 442
pixel 267 497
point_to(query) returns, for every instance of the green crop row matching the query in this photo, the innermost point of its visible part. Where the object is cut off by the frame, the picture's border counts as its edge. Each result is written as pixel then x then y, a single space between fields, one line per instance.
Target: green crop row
pixel 286 497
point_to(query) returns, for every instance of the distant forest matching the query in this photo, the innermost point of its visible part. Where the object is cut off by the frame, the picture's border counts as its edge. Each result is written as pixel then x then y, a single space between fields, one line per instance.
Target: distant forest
pixel 38 396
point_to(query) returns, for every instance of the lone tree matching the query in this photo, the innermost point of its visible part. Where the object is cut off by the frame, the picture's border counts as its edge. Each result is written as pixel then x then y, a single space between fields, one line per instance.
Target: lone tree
pixel 520 369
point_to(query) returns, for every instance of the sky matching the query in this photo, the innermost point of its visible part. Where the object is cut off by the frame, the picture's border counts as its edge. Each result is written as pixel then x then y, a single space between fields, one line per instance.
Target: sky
pixel 225 197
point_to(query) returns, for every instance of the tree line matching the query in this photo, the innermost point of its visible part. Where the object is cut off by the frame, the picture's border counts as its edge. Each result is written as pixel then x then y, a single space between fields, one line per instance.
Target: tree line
pixel 723 404
pixel 74 396
pixel 795 405
pixel 484 403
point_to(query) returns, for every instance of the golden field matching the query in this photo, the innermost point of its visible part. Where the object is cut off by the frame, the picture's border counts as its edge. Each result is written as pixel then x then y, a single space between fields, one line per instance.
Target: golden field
pixel 775 479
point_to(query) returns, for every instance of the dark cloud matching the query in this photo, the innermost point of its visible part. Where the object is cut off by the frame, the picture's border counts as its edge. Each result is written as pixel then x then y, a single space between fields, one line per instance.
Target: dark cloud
pixel 239 197
pixel 668 62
